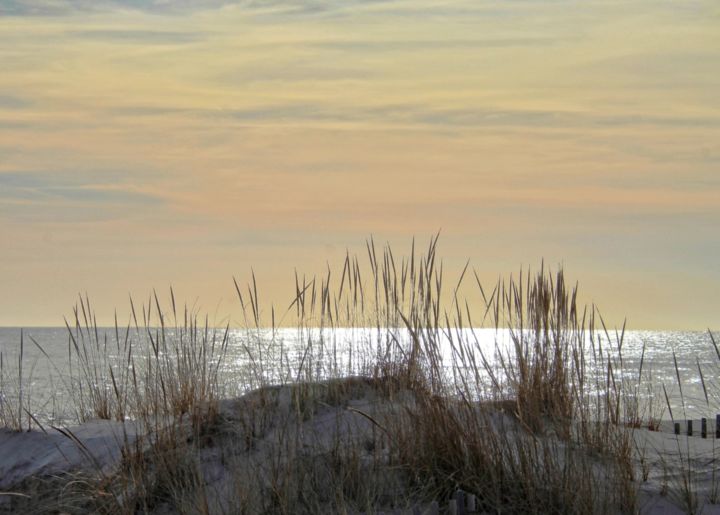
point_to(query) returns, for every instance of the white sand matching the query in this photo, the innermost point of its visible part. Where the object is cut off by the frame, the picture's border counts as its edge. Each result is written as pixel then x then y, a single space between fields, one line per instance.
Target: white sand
pixel 95 447
pixel 668 458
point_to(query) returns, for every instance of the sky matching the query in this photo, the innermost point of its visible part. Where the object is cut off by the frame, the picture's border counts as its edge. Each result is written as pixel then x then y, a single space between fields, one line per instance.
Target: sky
pixel 149 143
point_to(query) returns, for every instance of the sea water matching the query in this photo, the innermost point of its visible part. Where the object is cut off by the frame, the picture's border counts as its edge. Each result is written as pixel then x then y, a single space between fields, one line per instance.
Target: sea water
pixel 675 363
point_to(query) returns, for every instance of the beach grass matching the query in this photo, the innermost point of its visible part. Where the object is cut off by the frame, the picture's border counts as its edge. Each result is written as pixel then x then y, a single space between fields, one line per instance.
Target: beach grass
pixel 411 410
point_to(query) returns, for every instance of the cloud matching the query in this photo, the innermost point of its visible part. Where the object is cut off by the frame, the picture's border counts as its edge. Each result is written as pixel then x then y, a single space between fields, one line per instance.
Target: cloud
pixel 13 125
pixel 694 69
pixel 144 37
pixel 147 110
pixel 67 7
pixel 268 10
pixel 295 72
pixel 424 117
pixel 430 44
pixel 38 187
pixel 41 7
pixel 419 115
pixel 13 102
pixel 559 119
pixel 292 112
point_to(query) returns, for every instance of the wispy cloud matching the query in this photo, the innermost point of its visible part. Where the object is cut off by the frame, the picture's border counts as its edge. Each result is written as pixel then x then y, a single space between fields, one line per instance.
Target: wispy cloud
pixel 65 7
pixel 13 102
pixel 400 45
pixel 296 71
pixel 420 115
pixel 141 37
pixel 38 187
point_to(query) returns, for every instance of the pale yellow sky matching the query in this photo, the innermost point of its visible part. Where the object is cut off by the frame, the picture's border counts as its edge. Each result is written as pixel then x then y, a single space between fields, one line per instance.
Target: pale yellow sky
pixel 147 143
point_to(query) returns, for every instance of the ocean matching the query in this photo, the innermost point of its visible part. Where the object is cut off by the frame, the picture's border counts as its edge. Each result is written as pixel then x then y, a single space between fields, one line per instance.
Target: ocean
pixel 265 357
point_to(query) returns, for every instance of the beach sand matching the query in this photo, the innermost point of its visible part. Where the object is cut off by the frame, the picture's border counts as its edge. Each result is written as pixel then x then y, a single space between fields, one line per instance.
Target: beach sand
pixel 35 460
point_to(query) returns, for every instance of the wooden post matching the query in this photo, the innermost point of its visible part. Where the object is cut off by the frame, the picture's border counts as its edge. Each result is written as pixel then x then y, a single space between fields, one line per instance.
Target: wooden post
pixel 453 507
pixel 703 427
pixel 471 503
pixel 460 498
pixel 677 428
pixel 434 508
pixel 689 427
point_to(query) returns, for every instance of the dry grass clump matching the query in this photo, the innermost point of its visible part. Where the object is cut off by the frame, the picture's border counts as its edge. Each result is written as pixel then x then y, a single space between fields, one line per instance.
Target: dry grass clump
pixel 388 398
pixel 147 371
pixel 530 442
pixel 161 376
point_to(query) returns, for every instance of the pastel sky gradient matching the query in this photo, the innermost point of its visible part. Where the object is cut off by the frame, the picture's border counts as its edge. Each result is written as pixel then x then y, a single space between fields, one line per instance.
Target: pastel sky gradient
pixel 145 143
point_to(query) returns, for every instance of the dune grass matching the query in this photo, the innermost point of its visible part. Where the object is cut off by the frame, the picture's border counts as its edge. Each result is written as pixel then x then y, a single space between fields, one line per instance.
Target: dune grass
pixel 411 409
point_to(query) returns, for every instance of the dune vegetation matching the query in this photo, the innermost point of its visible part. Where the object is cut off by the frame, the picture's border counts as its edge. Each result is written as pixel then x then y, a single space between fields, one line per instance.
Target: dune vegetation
pixel 407 413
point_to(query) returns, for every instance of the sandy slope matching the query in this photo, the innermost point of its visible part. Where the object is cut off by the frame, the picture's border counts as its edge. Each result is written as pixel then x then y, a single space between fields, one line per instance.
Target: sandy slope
pixel 95 445
pixel 667 458
pixel 96 448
